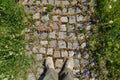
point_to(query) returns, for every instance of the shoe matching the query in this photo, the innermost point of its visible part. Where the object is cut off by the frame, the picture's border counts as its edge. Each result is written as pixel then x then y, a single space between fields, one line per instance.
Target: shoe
pixel 69 63
pixel 49 62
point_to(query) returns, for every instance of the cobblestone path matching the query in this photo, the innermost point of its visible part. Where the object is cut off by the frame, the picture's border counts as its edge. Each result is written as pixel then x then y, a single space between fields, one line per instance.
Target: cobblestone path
pixel 59 28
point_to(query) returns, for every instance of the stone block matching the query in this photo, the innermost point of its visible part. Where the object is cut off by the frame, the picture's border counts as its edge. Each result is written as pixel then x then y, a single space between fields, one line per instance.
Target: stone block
pixel 55 18
pixel 45 17
pixel 35 49
pixel 79 18
pixel 43 42
pixel 62 44
pixel 70 46
pixel 44 35
pixel 76 63
pixel 71 28
pixel 71 53
pixel 65 2
pixel 64 10
pixel 85 55
pixel 63 27
pixel 42 50
pixel 62 35
pixel 52 35
pixel 39 57
pixel 36 16
pixel 53 43
pixel 72 36
pixel 83 45
pixel 72 19
pixel 84 62
pixel 59 63
pixel 56 53
pixel 40 70
pixel 77 54
pixel 50 51
pixel 78 10
pixel 64 53
pixel 64 19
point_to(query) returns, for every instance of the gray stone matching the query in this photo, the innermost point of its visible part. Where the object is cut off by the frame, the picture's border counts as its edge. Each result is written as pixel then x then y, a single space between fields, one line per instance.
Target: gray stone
pixel 26 30
pixel 72 19
pixel 83 45
pixel 63 27
pixel 59 63
pixel 88 26
pixel 84 62
pixel 61 44
pixel 77 54
pixel 79 18
pixel 36 34
pixel 44 1
pixel 84 1
pixel 85 55
pixel 85 73
pixel 65 2
pixel 51 1
pixel 64 19
pixel 62 35
pixel 57 2
pixel 36 41
pixel 35 50
pixel 56 53
pixel 39 57
pixel 26 8
pixel 85 8
pixel 78 10
pixel 72 36
pixel 31 76
pixel 37 2
pixel 52 35
pixel 71 53
pixel 70 45
pixel 37 23
pixel 64 53
pixel 53 43
pixel 71 10
pixel 76 45
pixel 45 17
pixel 81 36
pixel 43 42
pixel 42 50
pixel 50 51
pixel 56 26
pixel 32 9
pixel 64 10
pixel 76 63
pixel 44 35
pixel 55 18
pixel 74 2
pixel 71 28
pixel 45 24
pixel 58 11
pixel 36 16
pixel 79 26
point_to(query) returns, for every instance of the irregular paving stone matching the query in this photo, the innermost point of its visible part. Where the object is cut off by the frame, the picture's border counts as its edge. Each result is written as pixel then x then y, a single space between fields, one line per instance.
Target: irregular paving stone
pixel 72 36
pixel 64 10
pixel 43 42
pixel 79 26
pixel 63 27
pixel 45 17
pixel 65 2
pixel 53 43
pixel 26 8
pixel 76 63
pixel 44 35
pixel 44 1
pixel 76 45
pixel 42 50
pixel 35 50
pixel 32 9
pixel 71 28
pixel 57 2
pixel 52 35
pixel 81 36
pixel 72 19
pixel 36 16
pixel 31 76
pixel 77 54
pixel 83 45
pixel 64 53
pixel 61 44
pixel 56 53
pixel 62 35
pixel 56 25
pixel 64 19
pixel 74 2
pixel 39 57
pixel 78 10
pixel 58 10
pixel 85 8
pixel 50 51
pixel 37 2
pixel 51 1
pixel 36 34
pixel 71 10
pixel 79 18
pixel 59 63
pixel 37 23
pixel 55 18
pixel 84 62
pixel 88 26
pixel 85 73
pixel 85 55
pixel 70 45
pixel 45 24
pixel 71 53
pixel 40 70
pixel 84 1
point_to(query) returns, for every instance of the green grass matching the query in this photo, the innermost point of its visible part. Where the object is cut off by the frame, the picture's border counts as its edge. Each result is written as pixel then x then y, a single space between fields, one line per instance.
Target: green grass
pixel 105 41
pixel 13 61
